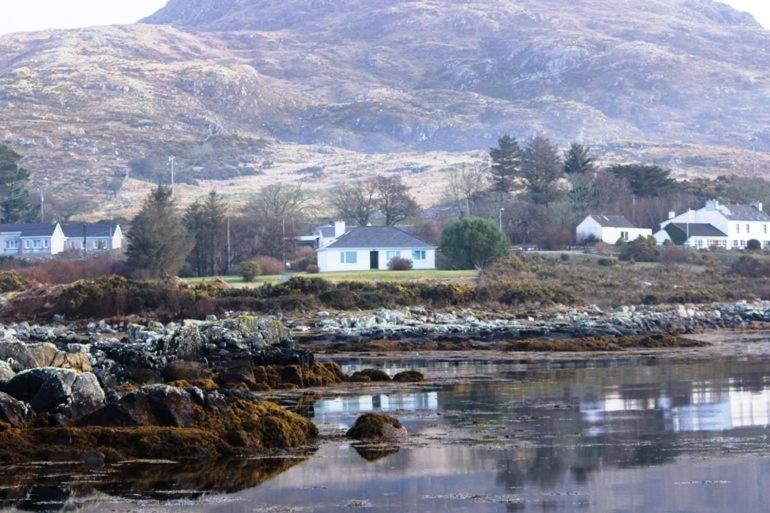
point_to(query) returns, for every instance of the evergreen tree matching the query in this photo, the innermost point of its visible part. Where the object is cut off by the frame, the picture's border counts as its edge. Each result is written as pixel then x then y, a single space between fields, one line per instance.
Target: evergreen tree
pixel 15 204
pixel 506 165
pixel 578 160
pixel 206 222
pixel 473 243
pixel 541 168
pixel 158 242
pixel 645 179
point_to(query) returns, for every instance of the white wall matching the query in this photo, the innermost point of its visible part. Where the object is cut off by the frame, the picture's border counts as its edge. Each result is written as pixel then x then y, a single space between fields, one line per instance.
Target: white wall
pixel 329 260
pixel 610 235
pixel 738 232
pixel 57 241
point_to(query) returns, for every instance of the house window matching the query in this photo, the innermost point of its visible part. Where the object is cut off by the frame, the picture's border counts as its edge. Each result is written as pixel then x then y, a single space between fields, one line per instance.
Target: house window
pixel 624 235
pixel 27 244
pixel 45 243
pixel 419 254
pixel 349 257
pixel 36 243
pixel 699 243
pixel 95 244
pixel 737 228
pixel 735 243
pixel 748 228
pixel 765 227
pixel 390 255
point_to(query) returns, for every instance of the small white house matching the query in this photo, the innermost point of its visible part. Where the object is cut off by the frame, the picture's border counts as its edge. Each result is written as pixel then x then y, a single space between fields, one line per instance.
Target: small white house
pixel 609 229
pixel 93 236
pixel 373 247
pixel 323 235
pixel 717 225
pixel 31 239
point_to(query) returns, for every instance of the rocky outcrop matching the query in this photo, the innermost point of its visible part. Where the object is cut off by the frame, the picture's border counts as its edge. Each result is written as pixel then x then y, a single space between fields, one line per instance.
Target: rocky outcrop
pixel 62 391
pixel 13 412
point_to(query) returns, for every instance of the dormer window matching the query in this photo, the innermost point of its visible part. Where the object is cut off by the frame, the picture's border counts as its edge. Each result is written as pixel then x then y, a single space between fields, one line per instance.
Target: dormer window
pixel 748 228
pixel 737 228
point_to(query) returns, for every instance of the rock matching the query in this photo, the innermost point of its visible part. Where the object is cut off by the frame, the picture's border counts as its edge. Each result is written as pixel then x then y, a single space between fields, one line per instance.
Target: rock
pixel 12 411
pixel 372 374
pixel 44 389
pixel 184 370
pixel 187 343
pixel 17 351
pixel 153 405
pixel 6 372
pixel 49 389
pixel 377 427
pixel 410 376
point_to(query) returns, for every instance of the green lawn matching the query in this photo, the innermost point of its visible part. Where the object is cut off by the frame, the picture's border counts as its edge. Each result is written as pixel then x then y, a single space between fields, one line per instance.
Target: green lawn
pixel 391 276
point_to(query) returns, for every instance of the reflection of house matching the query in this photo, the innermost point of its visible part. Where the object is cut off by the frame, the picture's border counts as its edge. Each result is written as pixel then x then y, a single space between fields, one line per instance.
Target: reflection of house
pixel 31 239
pixel 373 247
pixel 609 229
pixel 93 236
pixel 717 226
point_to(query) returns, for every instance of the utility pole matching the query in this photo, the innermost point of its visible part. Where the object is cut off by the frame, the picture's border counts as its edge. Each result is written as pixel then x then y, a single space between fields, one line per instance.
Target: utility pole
pixel 500 218
pixel 229 257
pixel 171 161
pixel 42 206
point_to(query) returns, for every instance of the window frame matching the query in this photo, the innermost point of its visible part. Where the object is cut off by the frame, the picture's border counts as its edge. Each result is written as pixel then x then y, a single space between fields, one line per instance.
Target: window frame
pixel 345 257
pixel 419 255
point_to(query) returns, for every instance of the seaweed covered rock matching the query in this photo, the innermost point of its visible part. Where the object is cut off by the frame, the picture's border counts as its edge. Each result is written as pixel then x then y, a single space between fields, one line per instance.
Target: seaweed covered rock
pixel 369 375
pixel 12 411
pixel 185 370
pixel 410 376
pixel 377 427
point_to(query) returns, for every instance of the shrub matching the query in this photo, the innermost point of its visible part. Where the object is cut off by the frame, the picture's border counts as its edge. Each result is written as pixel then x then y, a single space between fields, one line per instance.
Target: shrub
pixel 312 269
pixel 750 267
pixel 270 266
pixel 339 299
pixel 306 258
pixel 643 249
pixel 523 293
pixel 753 245
pixel 250 269
pixel 607 262
pixel 564 257
pixel 11 281
pixel 400 264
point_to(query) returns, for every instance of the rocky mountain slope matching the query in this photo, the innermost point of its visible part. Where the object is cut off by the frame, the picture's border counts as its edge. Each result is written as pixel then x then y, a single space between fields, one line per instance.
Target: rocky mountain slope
pixel 246 92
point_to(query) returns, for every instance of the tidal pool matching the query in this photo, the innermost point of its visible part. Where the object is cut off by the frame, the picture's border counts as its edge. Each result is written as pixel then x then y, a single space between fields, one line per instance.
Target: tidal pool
pixel 633 434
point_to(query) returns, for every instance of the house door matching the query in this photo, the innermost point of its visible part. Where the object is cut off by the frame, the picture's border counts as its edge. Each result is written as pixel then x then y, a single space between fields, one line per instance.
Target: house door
pixel 374 260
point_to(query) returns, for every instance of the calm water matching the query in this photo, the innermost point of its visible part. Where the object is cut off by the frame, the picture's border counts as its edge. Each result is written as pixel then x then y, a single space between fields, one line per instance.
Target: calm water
pixel 622 436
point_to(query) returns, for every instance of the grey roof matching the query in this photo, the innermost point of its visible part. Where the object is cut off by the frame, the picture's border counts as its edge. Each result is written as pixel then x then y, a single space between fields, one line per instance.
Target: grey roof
pixel 75 230
pixel 613 221
pixel 378 237
pixel 29 229
pixel 327 232
pixel 700 229
pixel 744 213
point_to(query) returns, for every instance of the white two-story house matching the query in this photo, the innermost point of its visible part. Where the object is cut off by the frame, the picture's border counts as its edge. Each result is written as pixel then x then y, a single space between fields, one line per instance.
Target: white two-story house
pixel 373 247
pixel 717 225
pixel 31 239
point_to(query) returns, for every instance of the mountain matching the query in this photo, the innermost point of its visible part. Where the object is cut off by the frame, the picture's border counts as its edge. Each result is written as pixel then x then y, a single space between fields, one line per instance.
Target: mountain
pixel 247 92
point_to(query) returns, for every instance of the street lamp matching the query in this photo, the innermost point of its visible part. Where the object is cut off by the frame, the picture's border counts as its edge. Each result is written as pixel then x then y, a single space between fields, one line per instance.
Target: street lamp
pixel 500 218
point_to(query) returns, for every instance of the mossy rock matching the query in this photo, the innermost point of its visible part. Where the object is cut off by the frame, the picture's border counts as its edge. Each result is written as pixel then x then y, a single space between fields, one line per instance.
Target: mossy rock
pixel 377 427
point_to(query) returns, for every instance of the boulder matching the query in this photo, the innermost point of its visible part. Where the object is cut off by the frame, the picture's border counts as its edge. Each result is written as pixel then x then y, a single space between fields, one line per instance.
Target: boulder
pixel 12 411
pixel 187 343
pixel 153 405
pixel 377 427
pixel 371 374
pixel 49 389
pixel 17 352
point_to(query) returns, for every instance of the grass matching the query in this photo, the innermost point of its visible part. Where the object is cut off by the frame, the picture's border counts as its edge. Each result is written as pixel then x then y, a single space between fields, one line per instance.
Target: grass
pixel 366 276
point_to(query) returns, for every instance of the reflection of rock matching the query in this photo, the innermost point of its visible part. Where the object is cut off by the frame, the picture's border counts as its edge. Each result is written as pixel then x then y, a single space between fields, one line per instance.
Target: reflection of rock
pixel 375 452
pixel 377 426
pixel 35 489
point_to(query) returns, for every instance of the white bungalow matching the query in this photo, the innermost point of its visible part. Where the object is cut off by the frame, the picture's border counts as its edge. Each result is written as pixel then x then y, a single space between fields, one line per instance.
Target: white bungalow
pixel 373 247
pixel 609 229
pixel 717 226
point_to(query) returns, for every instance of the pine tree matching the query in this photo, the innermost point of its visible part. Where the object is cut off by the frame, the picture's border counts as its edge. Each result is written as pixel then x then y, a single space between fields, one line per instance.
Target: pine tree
pixel 646 179
pixel 578 160
pixel 15 204
pixel 541 169
pixel 206 222
pixel 506 165
pixel 158 242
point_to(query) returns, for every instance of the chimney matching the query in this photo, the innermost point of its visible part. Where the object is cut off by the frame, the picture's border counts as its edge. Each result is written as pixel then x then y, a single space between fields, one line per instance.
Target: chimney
pixel 758 205
pixel 339 229
pixel 671 214
pixel 712 204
